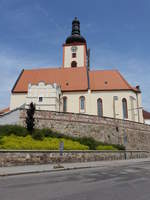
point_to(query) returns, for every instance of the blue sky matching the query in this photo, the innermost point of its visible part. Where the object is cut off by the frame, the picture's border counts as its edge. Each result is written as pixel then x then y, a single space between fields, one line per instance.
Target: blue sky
pixel 32 33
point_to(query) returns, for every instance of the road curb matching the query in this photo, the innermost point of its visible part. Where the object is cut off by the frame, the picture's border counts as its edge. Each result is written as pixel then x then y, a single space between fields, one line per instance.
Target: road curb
pixel 46 171
pixel 91 165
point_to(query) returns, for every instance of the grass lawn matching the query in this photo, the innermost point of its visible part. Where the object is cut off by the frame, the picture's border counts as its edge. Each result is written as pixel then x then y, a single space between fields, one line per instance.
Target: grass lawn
pixel 17 142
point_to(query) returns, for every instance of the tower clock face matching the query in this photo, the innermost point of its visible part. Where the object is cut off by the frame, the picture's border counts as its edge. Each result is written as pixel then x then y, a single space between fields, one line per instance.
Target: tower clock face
pixel 74 49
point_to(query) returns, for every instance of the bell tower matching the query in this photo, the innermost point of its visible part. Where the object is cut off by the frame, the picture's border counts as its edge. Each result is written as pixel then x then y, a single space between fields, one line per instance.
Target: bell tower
pixel 75 48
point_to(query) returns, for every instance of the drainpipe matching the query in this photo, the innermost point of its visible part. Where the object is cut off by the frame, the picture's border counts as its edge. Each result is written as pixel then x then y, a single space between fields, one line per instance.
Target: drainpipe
pixel 137 97
pixel 138 107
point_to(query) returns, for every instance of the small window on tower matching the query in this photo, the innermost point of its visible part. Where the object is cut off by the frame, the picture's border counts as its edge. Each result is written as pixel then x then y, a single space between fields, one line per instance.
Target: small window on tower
pixel 40 99
pixel 74 55
pixel 74 64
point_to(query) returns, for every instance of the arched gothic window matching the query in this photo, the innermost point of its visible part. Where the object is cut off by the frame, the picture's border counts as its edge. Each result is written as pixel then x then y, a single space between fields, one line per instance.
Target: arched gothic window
pixel 99 107
pixel 73 64
pixel 125 108
pixel 82 104
pixel 64 104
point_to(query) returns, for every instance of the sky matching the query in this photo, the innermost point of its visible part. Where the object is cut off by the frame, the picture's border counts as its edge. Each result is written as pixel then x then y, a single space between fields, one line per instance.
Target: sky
pixel 117 32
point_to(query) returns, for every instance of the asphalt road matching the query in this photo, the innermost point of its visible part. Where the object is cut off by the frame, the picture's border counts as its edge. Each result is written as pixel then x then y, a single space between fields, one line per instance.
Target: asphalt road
pixel 105 183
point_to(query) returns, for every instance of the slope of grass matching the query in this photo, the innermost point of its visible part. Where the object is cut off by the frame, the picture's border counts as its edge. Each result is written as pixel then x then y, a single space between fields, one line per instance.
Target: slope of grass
pixel 13 142
pixel 48 135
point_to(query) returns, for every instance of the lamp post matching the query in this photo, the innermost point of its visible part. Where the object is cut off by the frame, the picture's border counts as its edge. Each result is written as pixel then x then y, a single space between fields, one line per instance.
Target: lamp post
pixel 124 140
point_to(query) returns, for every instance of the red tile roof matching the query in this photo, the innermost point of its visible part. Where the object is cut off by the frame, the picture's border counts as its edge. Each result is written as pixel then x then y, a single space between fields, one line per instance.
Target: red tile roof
pixel 146 114
pixel 5 110
pixel 73 79
pixel 108 80
pixel 70 79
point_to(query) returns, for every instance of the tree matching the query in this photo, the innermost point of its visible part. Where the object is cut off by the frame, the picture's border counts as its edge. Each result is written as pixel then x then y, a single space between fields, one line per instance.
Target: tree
pixel 30 118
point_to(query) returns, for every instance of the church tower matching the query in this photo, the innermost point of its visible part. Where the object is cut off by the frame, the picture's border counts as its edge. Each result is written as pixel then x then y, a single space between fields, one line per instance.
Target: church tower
pixel 75 48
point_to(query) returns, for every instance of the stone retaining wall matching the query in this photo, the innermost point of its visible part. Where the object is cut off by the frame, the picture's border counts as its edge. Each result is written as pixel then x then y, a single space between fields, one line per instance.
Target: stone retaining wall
pixel 11 117
pixel 14 158
pixel 135 136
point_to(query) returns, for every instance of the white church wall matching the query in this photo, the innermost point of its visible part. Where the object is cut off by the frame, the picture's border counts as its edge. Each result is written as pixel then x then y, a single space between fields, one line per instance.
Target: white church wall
pixel 90 103
pixel 79 56
pixel 73 101
pixel 108 103
pixel 48 93
pixel 17 100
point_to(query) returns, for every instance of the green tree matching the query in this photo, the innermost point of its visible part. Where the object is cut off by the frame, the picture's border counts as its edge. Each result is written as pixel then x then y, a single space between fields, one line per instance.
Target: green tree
pixel 30 118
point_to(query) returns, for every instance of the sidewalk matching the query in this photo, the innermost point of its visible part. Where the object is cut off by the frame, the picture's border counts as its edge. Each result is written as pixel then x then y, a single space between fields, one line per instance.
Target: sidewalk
pixel 27 169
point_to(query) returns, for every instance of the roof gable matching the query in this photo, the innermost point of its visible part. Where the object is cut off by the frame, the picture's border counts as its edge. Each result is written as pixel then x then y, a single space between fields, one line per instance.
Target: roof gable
pixel 146 115
pixel 70 79
pixel 108 80
pixel 5 110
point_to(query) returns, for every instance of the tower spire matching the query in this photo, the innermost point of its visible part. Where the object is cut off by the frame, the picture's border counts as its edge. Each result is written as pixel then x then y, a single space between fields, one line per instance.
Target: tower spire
pixel 75 27
pixel 75 37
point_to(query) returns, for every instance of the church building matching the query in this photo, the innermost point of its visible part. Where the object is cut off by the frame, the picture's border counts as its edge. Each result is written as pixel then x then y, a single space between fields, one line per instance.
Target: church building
pixel 75 88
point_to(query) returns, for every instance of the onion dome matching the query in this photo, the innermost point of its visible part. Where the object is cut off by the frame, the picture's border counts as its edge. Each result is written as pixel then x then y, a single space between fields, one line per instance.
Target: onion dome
pixel 75 35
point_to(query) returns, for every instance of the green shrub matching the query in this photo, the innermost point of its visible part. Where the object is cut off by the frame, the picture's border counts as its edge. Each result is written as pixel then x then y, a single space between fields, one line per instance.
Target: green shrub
pixel 46 132
pixel 88 141
pixel 7 130
pixel 53 134
pixel 107 147
pixel 38 135
pixel 119 146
